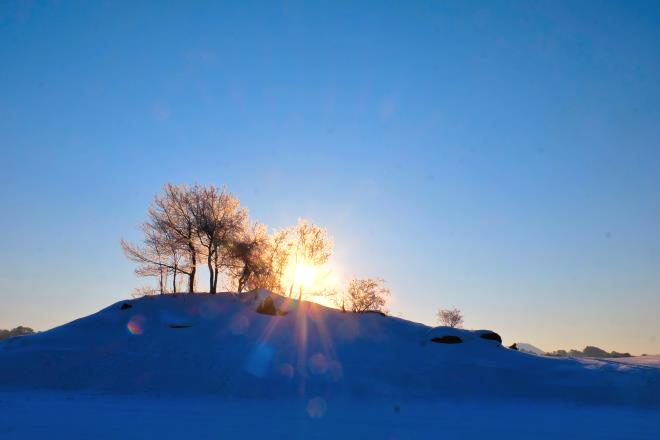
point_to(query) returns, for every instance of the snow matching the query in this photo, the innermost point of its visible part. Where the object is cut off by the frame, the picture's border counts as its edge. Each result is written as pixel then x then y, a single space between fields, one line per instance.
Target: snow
pixel 39 415
pixel 649 361
pixel 529 348
pixel 198 365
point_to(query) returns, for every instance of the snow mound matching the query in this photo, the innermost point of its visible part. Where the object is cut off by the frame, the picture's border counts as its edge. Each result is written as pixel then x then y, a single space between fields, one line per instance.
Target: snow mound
pixel 219 345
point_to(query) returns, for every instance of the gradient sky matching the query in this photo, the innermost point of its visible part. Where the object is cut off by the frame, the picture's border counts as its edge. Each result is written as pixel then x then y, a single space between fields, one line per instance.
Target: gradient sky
pixel 502 157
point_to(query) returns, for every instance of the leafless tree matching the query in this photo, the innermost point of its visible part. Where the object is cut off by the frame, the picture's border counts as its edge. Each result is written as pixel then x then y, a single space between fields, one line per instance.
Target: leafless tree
pixel 153 256
pixel 250 256
pixel 450 317
pixel 219 221
pixel 172 214
pixel 275 256
pixel 139 292
pixel 365 294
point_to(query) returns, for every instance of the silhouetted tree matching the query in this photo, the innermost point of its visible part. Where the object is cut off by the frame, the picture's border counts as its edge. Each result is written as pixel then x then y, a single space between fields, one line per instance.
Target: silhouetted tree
pixel 172 214
pixel 250 253
pixel 219 221
pixel 275 256
pixel 450 317
pixel 17 331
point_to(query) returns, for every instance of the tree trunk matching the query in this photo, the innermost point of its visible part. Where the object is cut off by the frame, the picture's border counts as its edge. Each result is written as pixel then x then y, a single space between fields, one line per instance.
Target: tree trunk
pixel 209 263
pixel 161 281
pixel 193 269
pixel 174 280
pixel 217 271
pixel 242 280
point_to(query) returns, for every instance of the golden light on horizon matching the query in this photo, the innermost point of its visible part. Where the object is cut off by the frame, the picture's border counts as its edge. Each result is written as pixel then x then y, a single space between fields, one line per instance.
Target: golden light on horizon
pixel 316 282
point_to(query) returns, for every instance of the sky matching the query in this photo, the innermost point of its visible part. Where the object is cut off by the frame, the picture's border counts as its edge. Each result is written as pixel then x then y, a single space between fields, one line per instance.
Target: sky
pixel 501 157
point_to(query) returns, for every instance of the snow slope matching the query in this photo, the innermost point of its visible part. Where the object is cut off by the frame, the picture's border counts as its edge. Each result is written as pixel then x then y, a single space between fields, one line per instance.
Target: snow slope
pixel 218 346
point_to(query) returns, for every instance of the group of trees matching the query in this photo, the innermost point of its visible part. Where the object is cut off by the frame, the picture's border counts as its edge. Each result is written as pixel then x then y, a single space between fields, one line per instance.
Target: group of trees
pixel 188 226
pixel 17 331
pixel 589 352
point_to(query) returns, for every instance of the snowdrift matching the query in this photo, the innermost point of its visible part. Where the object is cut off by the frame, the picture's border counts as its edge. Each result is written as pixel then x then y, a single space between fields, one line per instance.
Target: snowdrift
pixel 220 345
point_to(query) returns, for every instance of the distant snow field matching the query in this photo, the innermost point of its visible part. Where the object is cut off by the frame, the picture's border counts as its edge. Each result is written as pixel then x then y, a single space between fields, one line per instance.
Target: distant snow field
pixel 210 366
pixel 649 361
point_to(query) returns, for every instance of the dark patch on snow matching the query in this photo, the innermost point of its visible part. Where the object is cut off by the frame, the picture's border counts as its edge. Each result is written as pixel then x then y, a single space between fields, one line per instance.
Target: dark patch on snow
pixel 267 307
pixel 377 312
pixel 179 325
pixel 125 306
pixel 449 339
pixel 491 336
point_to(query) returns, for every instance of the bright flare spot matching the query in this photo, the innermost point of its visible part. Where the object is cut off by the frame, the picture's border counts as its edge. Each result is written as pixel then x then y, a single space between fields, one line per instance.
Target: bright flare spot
pixel 316 282
pixel 305 275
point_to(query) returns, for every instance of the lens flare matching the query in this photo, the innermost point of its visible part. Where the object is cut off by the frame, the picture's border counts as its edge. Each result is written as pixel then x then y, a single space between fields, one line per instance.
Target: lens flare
pixel 317 407
pixel 136 325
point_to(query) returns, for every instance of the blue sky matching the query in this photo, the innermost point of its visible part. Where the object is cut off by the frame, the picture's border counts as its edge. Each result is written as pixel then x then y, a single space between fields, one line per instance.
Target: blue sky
pixel 502 157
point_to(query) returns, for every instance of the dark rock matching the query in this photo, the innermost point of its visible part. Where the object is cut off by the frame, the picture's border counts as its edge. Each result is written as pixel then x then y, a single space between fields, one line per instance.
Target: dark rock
pixel 514 346
pixel 491 336
pixel 449 339
pixel 267 307
pixel 377 312
pixel 125 306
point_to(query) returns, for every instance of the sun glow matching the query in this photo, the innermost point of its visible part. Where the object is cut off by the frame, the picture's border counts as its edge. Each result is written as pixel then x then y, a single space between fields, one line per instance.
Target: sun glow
pixel 305 275
pixel 315 282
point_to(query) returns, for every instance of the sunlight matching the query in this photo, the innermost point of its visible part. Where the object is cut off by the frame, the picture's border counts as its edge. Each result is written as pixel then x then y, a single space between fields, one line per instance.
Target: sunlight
pixel 317 282
pixel 305 275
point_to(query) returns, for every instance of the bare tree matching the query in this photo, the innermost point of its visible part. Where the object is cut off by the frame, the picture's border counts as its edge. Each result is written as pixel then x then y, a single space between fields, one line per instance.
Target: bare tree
pixel 141 291
pixel 153 257
pixel 275 256
pixel 219 220
pixel 365 294
pixel 450 317
pixel 250 256
pixel 171 213
pixel 309 245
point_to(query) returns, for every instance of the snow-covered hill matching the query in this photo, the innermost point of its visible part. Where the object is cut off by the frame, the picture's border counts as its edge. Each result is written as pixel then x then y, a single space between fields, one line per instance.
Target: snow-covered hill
pixel 219 345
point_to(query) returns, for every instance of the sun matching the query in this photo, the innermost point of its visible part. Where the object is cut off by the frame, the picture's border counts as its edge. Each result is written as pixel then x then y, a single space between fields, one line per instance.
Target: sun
pixel 305 275
pixel 315 283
